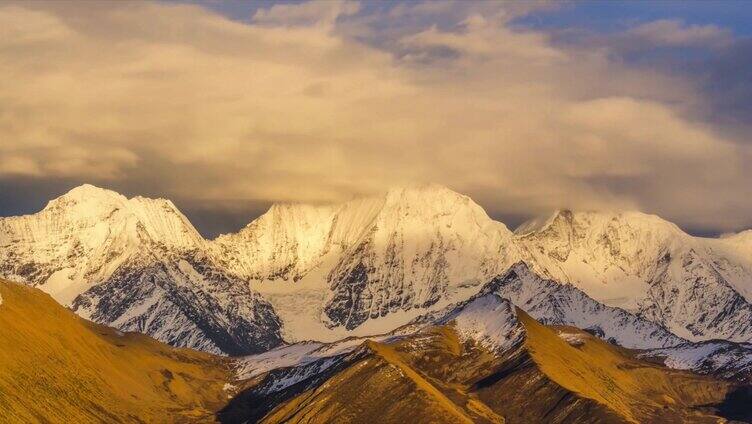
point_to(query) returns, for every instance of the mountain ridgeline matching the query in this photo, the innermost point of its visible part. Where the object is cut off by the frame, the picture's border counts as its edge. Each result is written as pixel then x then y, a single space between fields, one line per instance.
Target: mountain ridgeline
pixel 372 265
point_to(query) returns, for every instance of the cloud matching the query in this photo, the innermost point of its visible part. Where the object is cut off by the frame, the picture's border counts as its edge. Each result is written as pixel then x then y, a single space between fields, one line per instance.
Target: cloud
pixel 675 33
pixel 317 12
pixel 295 105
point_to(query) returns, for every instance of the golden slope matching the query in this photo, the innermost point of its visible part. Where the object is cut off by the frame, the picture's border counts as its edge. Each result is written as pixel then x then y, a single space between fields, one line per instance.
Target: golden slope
pixel 56 367
pixel 378 388
pixel 433 377
pixel 636 390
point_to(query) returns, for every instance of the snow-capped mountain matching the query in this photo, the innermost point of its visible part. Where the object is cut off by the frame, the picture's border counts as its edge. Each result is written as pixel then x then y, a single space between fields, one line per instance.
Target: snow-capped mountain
pixel 84 235
pixel 138 265
pixel 421 246
pixel 368 266
pixel 695 287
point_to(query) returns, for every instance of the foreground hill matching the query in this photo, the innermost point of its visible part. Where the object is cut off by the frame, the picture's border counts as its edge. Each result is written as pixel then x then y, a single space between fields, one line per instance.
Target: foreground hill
pixel 58 368
pixel 484 362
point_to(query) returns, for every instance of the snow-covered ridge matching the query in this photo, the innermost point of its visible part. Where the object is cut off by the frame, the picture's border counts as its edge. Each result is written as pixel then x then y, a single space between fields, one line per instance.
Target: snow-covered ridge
pixel 553 303
pixel 719 358
pixel 370 265
pixel 300 354
pixel 488 321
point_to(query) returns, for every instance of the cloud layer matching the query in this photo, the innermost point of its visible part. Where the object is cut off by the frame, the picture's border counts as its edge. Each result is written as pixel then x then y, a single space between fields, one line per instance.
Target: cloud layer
pixel 319 102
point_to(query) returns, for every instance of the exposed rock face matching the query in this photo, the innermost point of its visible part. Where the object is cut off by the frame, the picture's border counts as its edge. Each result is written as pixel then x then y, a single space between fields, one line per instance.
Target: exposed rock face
pixel 184 301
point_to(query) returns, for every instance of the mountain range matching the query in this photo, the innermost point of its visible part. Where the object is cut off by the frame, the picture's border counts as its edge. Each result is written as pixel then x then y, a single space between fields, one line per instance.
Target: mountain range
pixel 311 291
pixel 368 266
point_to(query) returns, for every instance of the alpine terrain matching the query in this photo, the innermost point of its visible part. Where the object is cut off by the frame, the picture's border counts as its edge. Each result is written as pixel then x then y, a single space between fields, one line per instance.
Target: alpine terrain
pixel 368 266
pixel 416 294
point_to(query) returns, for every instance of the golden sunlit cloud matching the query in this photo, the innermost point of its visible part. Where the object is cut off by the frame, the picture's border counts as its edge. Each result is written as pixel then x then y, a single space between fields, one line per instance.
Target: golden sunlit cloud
pixel 290 106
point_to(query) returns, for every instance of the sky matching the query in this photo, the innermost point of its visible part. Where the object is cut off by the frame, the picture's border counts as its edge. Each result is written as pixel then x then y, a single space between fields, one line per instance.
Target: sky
pixel 527 107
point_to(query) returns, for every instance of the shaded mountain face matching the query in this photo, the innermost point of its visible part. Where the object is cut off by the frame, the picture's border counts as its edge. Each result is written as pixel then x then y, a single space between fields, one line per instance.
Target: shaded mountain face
pixel 371 265
pixel 58 368
pixel 185 301
pixel 485 362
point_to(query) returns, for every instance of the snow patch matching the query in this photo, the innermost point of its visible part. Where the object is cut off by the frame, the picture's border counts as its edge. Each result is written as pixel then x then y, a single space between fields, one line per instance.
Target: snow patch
pixel 573 339
pixel 300 354
pixel 64 285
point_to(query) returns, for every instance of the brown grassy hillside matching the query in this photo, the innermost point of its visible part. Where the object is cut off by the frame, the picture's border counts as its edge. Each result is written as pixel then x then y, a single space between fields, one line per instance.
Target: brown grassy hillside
pixel 56 367
pixel 637 391
pixel 432 377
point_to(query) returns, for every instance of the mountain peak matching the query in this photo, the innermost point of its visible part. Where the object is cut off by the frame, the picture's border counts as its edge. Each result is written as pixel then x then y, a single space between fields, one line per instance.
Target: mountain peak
pixel 565 219
pixel 89 192
pixel 91 209
pixel 87 201
pixel 543 222
pixel 426 191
